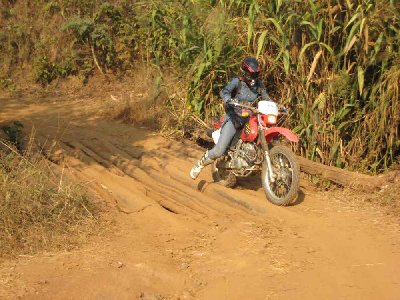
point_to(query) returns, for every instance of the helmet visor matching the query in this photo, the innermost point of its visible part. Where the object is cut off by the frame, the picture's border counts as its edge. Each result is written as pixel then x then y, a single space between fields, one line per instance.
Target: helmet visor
pixel 254 75
pixel 251 75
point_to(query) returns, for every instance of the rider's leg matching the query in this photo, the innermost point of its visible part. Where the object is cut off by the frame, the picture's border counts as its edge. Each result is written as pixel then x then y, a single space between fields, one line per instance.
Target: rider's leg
pixel 228 131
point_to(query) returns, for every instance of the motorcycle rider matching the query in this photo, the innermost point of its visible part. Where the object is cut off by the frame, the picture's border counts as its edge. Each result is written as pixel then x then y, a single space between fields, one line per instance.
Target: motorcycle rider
pixel 246 89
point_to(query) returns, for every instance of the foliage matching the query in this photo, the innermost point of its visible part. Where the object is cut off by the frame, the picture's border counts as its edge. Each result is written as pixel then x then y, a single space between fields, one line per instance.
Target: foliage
pixel 45 71
pixel 334 63
pixel 7 83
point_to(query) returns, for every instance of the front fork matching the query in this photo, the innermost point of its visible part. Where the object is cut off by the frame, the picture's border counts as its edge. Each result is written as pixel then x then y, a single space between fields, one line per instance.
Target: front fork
pixel 265 149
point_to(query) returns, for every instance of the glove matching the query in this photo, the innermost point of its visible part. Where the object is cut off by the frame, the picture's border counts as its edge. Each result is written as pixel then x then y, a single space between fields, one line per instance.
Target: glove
pixel 232 101
pixel 228 103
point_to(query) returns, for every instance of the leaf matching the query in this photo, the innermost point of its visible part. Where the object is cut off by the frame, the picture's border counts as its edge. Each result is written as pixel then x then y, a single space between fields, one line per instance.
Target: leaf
pixel 334 150
pixel 352 38
pixel 277 42
pixel 298 130
pixel 378 43
pixel 249 32
pixel 320 153
pixel 352 20
pixel 313 28
pixel 303 50
pixel 350 44
pixel 276 24
pixel 253 11
pixel 312 25
pixel 360 77
pixel 366 38
pixel 286 61
pixel 327 47
pixel 313 7
pixel 199 74
pixel 314 65
pixel 342 113
pixel 278 4
pixel 261 41
pixel 308 131
pixel 363 22
pixel 320 101
pixel 319 30
pixel 343 124
pixel 349 4
pixel 336 28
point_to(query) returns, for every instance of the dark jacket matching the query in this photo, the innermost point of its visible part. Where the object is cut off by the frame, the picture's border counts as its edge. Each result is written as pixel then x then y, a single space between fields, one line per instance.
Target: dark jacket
pixel 239 90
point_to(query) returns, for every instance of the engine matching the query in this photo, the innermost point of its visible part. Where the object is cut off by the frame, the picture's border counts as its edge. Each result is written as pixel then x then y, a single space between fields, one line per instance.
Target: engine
pixel 245 155
pixel 249 152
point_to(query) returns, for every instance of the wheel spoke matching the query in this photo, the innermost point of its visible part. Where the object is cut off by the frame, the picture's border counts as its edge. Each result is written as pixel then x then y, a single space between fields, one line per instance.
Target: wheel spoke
pixel 284 171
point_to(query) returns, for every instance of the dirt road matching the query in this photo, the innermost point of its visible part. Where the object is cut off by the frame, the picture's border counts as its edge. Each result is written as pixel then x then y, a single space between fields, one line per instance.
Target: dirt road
pixel 176 238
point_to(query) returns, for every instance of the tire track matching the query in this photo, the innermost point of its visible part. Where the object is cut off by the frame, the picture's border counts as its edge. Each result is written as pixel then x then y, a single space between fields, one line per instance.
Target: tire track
pixel 171 194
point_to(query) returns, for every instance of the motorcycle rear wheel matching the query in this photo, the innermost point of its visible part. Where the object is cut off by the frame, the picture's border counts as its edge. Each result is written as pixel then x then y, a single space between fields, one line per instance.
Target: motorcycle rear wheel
pixel 223 176
pixel 286 169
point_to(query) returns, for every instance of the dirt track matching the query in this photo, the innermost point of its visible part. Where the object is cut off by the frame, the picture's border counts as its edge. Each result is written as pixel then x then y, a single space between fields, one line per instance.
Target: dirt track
pixel 183 239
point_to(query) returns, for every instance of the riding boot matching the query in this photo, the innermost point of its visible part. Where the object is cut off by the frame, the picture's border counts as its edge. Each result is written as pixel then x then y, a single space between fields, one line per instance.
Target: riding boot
pixel 204 161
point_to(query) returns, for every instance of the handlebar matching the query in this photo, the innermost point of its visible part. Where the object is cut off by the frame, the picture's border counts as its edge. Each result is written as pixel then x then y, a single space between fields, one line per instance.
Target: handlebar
pixel 244 106
pixel 282 111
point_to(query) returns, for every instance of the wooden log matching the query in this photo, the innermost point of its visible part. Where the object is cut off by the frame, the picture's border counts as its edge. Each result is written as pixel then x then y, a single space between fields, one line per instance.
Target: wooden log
pixel 345 178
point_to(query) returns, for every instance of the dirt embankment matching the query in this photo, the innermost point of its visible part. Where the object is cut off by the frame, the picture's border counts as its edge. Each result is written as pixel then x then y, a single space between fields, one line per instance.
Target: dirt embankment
pixel 181 239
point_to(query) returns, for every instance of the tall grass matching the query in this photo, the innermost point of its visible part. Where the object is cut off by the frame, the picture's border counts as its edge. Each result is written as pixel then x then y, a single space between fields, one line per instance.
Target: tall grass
pixel 334 63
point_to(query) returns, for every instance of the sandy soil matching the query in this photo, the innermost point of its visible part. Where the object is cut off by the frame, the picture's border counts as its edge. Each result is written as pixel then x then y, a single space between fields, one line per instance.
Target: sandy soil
pixel 181 239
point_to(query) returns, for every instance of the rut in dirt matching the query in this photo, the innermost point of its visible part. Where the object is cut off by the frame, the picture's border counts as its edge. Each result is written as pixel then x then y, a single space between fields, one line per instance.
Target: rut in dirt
pixel 158 174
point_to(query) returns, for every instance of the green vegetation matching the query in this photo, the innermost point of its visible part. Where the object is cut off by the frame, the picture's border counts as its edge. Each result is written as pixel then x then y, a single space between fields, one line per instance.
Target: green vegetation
pixel 334 63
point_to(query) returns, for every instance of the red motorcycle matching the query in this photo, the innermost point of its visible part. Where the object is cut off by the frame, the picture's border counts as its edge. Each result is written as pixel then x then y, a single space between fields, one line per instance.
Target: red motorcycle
pixel 256 148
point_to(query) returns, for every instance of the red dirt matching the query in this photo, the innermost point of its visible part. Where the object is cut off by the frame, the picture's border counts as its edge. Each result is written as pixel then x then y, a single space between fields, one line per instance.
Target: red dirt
pixel 181 239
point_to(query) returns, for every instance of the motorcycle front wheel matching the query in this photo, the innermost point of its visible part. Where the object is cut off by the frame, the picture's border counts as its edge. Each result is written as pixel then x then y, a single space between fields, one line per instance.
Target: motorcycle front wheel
pixel 286 169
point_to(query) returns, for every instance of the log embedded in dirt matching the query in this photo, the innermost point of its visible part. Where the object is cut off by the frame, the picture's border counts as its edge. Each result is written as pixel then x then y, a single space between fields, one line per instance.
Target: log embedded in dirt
pixel 345 178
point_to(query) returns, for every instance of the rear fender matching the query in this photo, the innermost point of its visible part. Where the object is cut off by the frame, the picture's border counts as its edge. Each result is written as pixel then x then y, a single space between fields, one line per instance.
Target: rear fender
pixel 272 132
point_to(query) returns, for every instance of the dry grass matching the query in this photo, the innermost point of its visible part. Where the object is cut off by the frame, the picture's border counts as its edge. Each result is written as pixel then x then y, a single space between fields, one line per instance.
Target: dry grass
pixel 39 209
pixel 149 99
pixel 389 198
pixel 386 200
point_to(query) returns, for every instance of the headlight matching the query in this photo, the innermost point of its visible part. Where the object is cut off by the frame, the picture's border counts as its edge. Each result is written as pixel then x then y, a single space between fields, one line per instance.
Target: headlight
pixel 271 119
pixel 267 120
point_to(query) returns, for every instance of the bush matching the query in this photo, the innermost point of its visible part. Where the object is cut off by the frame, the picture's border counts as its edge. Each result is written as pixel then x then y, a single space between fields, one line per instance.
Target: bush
pixel 7 84
pixel 45 71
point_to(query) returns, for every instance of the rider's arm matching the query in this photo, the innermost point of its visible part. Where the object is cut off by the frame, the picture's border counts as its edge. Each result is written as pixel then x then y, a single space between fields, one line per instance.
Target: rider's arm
pixel 228 90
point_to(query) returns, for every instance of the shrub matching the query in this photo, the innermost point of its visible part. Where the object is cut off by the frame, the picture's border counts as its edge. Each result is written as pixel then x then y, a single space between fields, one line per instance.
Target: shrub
pixel 45 71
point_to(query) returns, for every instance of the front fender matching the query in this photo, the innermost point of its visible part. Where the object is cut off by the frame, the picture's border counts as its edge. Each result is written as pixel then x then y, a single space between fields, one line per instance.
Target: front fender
pixel 272 132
